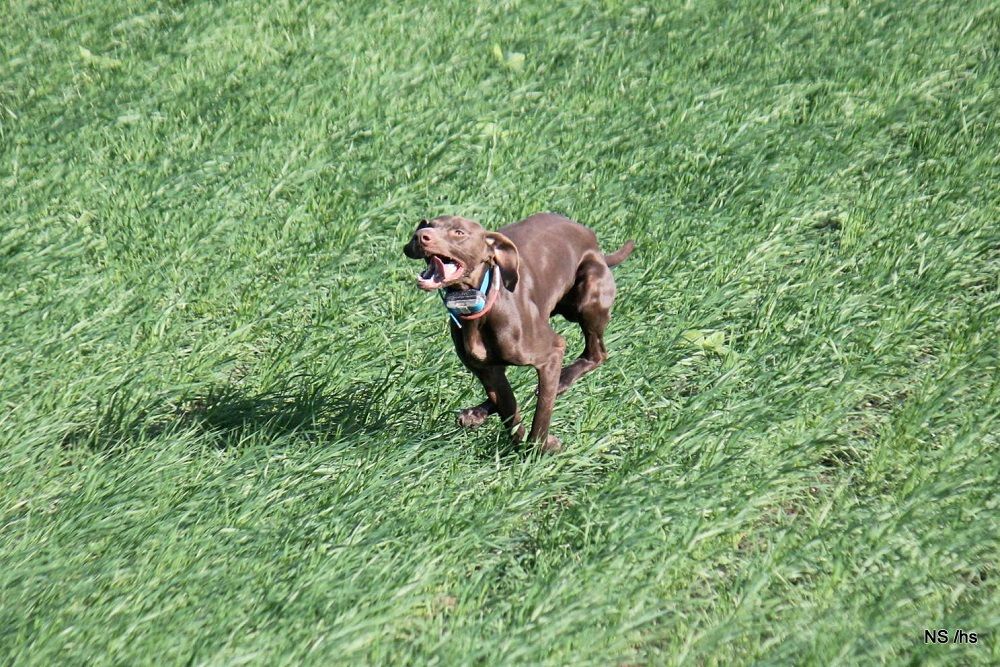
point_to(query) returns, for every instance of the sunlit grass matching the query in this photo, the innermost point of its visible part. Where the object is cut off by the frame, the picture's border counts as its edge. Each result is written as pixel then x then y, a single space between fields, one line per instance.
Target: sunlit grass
pixel 228 433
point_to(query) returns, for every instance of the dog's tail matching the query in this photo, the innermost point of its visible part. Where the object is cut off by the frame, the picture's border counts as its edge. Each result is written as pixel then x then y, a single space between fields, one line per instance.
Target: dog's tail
pixel 620 255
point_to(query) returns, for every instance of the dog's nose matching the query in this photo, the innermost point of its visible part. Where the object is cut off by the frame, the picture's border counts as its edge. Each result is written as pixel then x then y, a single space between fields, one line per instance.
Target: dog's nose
pixel 424 236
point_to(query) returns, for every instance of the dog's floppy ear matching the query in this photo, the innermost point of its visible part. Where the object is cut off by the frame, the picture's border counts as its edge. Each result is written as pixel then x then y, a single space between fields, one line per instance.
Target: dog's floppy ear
pixel 411 249
pixel 504 254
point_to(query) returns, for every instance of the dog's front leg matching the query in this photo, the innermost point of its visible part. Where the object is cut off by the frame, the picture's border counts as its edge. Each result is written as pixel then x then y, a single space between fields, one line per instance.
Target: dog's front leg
pixel 499 399
pixel 548 383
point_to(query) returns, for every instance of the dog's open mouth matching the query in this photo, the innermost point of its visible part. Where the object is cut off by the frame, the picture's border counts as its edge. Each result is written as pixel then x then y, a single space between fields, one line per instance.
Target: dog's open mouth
pixel 440 269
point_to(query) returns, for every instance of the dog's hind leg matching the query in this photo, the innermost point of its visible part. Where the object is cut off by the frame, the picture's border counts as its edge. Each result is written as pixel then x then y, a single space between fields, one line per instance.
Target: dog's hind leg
pixel 589 304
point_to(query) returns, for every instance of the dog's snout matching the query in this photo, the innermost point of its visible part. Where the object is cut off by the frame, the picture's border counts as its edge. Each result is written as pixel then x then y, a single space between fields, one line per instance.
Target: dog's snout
pixel 419 243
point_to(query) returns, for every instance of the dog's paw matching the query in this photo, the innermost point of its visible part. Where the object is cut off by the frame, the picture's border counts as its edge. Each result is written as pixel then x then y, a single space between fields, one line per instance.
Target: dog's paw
pixel 472 417
pixel 552 445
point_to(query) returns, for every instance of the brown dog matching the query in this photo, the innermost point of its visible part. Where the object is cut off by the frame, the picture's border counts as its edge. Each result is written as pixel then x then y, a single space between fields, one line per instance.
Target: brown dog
pixel 546 264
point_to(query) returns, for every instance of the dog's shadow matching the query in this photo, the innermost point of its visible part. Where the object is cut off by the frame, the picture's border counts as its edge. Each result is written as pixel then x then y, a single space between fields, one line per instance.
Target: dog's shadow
pixel 230 416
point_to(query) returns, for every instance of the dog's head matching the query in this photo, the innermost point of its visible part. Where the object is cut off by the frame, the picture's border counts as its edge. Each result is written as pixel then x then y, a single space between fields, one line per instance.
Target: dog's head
pixel 458 252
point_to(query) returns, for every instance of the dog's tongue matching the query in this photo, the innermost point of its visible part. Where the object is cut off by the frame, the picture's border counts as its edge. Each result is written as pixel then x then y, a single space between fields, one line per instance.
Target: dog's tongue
pixel 436 273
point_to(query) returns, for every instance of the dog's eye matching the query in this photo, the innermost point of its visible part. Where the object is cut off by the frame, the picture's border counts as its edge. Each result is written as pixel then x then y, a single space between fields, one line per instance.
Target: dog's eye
pixel 458 232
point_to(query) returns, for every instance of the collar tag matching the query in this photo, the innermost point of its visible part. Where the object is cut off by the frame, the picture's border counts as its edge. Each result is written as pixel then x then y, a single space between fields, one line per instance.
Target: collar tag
pixel 467 302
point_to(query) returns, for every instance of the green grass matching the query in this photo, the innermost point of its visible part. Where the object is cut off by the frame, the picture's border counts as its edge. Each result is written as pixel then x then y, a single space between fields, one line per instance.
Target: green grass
pixel 217 448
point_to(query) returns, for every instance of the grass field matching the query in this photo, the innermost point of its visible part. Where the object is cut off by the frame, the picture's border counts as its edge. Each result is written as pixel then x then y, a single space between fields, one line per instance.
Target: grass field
pixel 227 427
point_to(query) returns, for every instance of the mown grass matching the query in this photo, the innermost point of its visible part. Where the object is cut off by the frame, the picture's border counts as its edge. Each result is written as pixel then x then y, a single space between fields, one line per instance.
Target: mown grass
pixel 227 429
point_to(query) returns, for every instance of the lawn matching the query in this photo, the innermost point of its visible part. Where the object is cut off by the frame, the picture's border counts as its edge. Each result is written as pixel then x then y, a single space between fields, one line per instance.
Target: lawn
pixel 227 422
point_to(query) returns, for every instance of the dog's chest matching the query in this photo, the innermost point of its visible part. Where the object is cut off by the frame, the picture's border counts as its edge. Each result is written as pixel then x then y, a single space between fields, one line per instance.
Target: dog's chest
pixel 475 345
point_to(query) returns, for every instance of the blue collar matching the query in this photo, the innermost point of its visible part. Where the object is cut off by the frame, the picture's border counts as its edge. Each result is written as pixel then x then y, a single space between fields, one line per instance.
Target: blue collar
pixel 484 290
